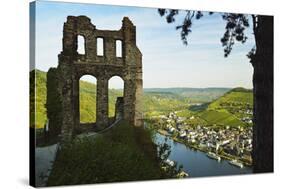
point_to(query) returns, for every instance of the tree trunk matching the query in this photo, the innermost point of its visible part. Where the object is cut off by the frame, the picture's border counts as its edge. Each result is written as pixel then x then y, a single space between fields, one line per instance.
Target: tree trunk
pixel 263 95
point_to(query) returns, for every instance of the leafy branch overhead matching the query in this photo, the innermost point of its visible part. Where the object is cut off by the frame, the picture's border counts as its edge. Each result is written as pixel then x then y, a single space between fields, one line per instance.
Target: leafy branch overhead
pixel 234 29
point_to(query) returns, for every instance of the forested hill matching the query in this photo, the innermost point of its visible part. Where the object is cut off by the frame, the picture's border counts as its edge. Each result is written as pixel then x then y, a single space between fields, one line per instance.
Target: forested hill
pixel 193 94
pixel 155 100
pixel 87 100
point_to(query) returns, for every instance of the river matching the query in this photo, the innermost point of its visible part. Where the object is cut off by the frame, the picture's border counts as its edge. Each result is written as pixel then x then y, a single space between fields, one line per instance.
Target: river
pixel 196 163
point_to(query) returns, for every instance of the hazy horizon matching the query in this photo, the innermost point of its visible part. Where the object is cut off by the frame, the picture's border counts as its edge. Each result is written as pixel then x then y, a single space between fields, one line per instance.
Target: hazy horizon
pixel 167 87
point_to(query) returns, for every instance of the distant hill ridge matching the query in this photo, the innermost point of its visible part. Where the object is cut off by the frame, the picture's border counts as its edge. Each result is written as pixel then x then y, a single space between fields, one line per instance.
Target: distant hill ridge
pixel 87 99
pixel 241 89
pixel 193 94
pixel 155 99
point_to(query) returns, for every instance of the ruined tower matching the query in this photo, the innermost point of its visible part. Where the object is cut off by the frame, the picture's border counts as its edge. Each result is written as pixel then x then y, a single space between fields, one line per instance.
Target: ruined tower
pixel 72 66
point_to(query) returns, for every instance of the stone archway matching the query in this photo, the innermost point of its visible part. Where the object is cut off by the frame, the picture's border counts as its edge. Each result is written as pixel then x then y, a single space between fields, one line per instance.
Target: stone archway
pixel 73 65
pixel 116 93
pixel 87 99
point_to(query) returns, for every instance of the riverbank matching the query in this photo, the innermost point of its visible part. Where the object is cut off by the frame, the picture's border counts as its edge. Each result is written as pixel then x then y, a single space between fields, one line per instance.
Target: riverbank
pixel 197 147
pixel 195 162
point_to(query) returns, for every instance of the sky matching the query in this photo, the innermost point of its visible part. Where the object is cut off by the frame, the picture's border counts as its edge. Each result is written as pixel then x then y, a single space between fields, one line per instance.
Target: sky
pixel 166 61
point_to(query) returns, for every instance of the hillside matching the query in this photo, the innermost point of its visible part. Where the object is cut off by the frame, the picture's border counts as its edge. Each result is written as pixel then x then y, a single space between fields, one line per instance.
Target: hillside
pixel 193 95
pixel 154 102
pixel 228 108
pixel 87 100
pixel 40 98
pixel 220 117
pixel 233 108
pixel 159 101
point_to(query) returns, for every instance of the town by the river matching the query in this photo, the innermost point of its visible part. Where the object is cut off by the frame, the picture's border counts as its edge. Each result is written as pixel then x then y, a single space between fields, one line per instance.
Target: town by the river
pixel 197 163
pixel 206 149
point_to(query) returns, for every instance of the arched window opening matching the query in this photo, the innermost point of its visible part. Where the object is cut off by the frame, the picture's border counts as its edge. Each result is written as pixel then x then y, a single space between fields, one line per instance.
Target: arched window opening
pixel 100 48
pixel 81 44
pixel 118 48
pixel 116 89
pixel 87 99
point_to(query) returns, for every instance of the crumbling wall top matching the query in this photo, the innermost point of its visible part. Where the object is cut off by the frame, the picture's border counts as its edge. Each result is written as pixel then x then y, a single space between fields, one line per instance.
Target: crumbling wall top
pixel 81 25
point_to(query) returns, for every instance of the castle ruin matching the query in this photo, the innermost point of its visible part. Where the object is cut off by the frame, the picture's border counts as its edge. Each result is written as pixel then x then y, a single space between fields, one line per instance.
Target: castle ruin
pixel 63 81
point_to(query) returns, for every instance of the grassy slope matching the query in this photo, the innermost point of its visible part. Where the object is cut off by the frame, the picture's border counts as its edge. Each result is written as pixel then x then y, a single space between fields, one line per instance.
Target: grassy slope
pixel 225 109
pixel 193 94
pixel 87 102
pixel 159 101
pixel 40 98
pixel 124 153
pixel 153 102
pixel 235 97
pixel 220 118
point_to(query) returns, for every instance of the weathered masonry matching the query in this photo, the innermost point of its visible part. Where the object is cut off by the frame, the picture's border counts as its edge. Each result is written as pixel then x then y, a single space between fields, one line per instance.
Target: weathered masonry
pixel 102 63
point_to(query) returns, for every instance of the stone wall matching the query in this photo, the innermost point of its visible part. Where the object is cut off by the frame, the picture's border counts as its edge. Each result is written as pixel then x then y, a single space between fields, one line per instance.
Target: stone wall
pixel 72 66
pixel 119 108
pixel 53 102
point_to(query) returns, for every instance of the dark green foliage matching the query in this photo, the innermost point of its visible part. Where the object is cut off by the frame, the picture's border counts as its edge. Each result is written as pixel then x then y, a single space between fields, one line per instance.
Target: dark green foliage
pixel 234 30
pixel 199 107
pixel 124 153
pixel 241 89
pixel 32 99
pixel 54 102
